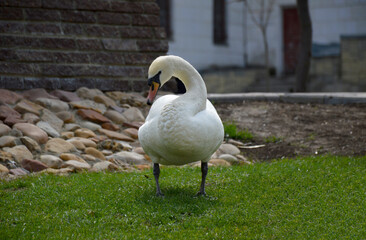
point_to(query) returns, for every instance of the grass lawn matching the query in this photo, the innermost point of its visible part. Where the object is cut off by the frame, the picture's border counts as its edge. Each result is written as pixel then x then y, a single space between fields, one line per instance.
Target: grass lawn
pixel 311 198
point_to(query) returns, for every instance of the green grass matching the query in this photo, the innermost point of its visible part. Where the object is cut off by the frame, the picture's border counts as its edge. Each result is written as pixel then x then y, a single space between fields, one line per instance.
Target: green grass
pixel 306 198
pixel 232 132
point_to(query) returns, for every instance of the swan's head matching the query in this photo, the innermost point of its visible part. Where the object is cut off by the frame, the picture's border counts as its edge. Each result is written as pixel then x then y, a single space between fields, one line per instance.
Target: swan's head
pixel 160 71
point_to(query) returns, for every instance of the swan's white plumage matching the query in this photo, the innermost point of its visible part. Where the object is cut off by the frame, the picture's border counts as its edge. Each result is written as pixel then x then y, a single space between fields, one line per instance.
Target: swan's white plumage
pixel 181 129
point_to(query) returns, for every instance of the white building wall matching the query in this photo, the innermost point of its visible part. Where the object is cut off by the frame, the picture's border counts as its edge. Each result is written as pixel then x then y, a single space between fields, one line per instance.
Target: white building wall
pixel 192 38
pixel 330 20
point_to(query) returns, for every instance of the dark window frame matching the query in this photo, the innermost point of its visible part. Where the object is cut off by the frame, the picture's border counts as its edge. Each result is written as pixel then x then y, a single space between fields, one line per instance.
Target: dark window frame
pixel 219 22
pixel 165 17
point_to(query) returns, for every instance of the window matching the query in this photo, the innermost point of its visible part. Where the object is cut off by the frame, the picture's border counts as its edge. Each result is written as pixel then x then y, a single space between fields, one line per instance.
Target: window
pixel 165 16
pixel 219 21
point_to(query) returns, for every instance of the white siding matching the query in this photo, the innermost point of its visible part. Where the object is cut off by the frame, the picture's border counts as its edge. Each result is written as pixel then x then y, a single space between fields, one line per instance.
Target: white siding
pixel 192 26
pixel 192 39
pixel 330 20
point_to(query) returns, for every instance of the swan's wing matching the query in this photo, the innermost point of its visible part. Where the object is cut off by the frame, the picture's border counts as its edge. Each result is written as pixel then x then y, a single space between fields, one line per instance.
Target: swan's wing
pixel 210 128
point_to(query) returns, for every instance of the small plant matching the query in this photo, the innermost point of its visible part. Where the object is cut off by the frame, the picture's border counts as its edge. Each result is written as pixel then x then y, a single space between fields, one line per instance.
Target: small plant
pixel 273 139
pixel 312 136
pixel 231 131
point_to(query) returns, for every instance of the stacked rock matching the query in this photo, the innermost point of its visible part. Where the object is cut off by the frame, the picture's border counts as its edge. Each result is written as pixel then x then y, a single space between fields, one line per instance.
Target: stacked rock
pixel 60 132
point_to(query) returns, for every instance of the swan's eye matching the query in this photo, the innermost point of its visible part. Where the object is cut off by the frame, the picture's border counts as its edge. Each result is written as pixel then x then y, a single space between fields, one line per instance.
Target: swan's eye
pixel 155 79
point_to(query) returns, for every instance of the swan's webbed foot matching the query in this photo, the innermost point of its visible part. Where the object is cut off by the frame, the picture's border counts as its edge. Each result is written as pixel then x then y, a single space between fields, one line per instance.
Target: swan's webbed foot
pixel 199 194
pixel 159 194
pixel 204 170
pixel 156 172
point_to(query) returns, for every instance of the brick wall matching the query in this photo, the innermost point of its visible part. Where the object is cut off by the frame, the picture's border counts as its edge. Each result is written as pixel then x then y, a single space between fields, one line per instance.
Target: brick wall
pixel 353 60
pixel 67 44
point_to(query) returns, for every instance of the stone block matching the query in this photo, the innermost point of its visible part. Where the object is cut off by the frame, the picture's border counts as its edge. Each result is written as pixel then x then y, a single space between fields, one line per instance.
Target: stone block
pixel 11 27
pixel 45 28
pixel 114 18
pixel 78 16
pixel 152 46
pixel 151 8
pixel 22 3
pixel 101 31
pixel 36 14
pixel 120 45
pixel 89 44
pixel 125 7
pixel 92 5
pixel 136 32
pixel 11 13
pixel 72 29
pixel 146 20
pixel 59 4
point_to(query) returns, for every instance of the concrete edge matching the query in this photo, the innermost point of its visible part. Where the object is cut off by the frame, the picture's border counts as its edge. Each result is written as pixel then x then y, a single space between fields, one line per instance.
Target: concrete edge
pixel 323 98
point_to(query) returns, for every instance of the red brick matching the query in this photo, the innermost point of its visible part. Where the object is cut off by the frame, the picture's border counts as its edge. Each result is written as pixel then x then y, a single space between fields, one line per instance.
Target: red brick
pixel 104 84
pixel 139 86
pixel 14 83
pixel 40 82
pixel 7 54
pixel 65 70
pixel 78 16
pixel 35 42
pixel 43 28
pixel 119 44
pixel 107 58
pixel 23 3
pixel 92 5
pixel 70 57
pixel 16 68
pixel 89 44
pixel 11 13
pixel 146 20
pixel 61 70
pixel 57 43
pixel 136 32
pixel 58 4
pixel 121 71
pixel 56 57
pixel 72 29
pixel 36 14
pixel 114 18
pixel 33 56
pixel 140 58
pixel 101 31
pixel 11 27
pixel 152 46
pixel 151 8
pixel 125 7
pixel 136 72
pixel 160 33
pixel 8 41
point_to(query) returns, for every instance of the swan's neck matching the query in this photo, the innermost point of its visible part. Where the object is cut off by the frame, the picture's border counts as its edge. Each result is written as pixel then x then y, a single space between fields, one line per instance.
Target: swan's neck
pixel 195 86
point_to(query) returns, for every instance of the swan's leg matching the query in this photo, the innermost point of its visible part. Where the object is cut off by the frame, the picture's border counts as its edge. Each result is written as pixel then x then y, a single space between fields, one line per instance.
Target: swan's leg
pixel 204 170
pixel 156 172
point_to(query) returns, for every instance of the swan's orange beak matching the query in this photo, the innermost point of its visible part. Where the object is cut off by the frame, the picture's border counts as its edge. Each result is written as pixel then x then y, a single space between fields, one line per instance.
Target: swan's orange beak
pixel 152 92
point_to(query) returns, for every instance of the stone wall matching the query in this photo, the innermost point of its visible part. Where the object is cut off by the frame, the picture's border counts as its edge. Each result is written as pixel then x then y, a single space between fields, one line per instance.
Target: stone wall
pixel 67 44
pixel 353 60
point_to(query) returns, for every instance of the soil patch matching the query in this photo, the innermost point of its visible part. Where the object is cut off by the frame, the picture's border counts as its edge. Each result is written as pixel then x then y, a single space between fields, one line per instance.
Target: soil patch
pixel 290 130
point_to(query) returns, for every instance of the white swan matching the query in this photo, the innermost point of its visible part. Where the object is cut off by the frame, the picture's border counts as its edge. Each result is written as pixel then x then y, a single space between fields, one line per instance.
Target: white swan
pixel 179 129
